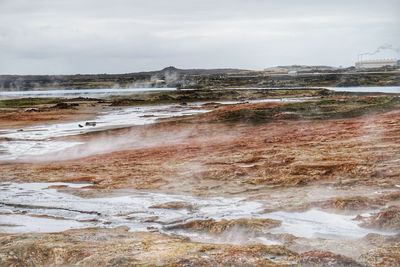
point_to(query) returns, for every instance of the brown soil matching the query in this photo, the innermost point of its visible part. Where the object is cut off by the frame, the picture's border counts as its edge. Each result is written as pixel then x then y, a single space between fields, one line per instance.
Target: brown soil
pixel 118 247
pixel 209 158
pixel 24 117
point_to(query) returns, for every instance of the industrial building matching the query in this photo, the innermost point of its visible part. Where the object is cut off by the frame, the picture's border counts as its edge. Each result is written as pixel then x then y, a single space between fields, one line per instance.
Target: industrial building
pixel 377 63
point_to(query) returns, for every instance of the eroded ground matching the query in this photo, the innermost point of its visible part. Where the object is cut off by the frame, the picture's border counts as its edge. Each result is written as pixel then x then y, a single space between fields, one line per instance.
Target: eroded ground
pixel 333 162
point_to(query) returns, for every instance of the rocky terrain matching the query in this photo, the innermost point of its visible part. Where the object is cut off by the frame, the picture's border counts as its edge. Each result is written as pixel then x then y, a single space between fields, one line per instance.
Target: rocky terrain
pixel 206 79
pixel 313 182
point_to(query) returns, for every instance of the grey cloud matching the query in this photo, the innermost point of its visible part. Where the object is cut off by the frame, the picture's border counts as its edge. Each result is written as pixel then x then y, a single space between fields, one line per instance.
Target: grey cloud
pixel 97 36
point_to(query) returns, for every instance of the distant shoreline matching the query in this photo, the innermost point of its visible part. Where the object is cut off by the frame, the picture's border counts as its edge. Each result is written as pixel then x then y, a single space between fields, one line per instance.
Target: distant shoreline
pixel 205 79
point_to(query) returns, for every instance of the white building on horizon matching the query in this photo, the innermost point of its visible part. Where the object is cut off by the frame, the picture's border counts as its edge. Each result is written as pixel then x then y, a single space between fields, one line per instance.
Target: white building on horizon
pixel 377 63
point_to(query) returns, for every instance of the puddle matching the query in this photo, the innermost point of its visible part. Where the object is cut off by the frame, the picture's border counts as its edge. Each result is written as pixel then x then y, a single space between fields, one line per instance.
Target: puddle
pixel 12 150
pixel 368 89
pixel 267 100
pixel 12 223
pixel 319 224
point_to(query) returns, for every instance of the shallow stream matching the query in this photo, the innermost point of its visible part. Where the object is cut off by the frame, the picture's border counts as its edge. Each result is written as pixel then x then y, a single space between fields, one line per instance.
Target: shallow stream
pixel 47 207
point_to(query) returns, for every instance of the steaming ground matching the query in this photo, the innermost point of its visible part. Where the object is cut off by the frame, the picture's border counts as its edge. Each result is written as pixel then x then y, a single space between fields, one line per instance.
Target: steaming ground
pixel 37 207
pixel 22 144
pixel 280 192
pixel 47 141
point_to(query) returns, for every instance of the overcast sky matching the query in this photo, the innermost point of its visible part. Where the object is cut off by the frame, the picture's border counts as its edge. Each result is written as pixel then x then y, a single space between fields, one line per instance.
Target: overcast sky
pixel 119 36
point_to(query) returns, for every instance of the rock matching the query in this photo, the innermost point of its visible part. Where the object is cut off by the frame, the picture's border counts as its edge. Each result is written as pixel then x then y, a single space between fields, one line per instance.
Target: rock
pixel 61 105
pixel 151 219
pixel 174 205
pixel 382 257
pixel 381 239
pixel 211 105
pixel 350 203
pixel 90 123
pixel 386 219
pixel 58 186
pixel 217 227
pixel 32 110
pixel 152 229
pixel 392 196
pixel 318 258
